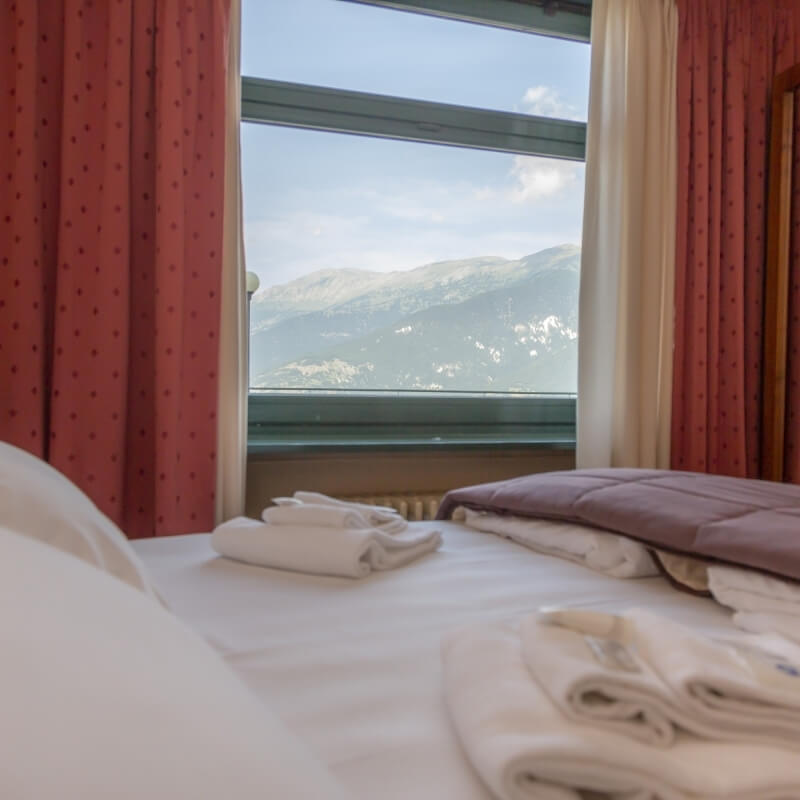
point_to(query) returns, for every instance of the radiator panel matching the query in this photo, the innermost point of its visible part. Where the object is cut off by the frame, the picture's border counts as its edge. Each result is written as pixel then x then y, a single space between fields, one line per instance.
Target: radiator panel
pixel 413 506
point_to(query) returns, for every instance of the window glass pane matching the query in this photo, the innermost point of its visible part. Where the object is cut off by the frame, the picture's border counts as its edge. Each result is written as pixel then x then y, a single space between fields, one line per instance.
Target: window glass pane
pixel 385 51
pixel 392 265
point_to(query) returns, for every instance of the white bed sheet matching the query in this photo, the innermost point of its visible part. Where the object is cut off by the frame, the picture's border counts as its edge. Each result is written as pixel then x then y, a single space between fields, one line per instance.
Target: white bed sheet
pixel 353 666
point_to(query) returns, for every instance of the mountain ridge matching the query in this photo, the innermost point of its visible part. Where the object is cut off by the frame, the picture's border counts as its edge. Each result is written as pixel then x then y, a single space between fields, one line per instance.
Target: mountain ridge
pixel 330 289
pixel 362 341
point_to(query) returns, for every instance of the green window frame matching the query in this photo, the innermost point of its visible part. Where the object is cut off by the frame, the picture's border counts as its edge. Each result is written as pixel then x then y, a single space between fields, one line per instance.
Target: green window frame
pixel 289 420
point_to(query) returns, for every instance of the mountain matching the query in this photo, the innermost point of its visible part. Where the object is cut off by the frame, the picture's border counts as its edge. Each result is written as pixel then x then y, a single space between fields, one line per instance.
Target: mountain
pixel 331 308
pixel 313 292
pixel 482 324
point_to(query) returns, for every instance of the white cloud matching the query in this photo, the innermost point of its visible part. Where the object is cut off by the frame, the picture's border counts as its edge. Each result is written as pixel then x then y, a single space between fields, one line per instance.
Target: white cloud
pixel 544 101
pixel 538 177
pixel 418 222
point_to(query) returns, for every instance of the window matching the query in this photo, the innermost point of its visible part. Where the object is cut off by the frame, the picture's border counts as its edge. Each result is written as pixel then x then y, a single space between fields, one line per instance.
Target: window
pixel 413 193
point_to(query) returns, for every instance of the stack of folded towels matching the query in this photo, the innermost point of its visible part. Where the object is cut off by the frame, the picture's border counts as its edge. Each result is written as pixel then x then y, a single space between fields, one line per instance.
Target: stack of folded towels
pixel 314 533
pixel 577 704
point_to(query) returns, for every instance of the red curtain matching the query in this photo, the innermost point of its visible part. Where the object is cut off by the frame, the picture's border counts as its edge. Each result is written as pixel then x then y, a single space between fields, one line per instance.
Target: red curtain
pixel 111 167
pixel 729 52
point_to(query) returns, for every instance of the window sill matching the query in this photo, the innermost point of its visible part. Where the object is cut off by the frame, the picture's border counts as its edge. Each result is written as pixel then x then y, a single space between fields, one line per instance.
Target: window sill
pixel 292 422
pixel 406 443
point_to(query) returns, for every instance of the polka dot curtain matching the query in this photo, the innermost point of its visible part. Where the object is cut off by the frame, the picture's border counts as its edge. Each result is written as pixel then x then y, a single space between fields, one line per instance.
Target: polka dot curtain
pixel 111 161
pixel 792 440
pixel 728 53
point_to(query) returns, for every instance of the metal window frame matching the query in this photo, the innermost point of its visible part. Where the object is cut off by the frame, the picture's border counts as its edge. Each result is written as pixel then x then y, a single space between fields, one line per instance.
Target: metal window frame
pixel 343 111
pixel 292 421
pixel 571 22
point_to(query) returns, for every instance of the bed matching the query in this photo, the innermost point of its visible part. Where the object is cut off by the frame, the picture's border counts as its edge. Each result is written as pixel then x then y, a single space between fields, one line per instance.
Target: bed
pixel 159 669
pixel 353 667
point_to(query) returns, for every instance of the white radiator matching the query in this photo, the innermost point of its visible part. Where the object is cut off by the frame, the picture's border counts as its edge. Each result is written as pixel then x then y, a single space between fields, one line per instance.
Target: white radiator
pixel 411 506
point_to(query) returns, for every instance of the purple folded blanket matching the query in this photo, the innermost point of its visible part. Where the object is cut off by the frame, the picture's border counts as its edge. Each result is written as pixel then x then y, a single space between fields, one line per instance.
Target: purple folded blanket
pixel 738 521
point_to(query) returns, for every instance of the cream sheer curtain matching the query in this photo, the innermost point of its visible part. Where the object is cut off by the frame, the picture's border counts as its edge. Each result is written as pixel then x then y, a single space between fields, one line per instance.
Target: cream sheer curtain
pixel 628 260
pixel 232 406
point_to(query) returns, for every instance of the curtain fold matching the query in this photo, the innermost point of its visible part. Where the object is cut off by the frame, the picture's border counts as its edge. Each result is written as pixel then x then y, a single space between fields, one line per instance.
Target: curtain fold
pixel 233 372
pixel 627 262
pixel 728 53
pixel 111 204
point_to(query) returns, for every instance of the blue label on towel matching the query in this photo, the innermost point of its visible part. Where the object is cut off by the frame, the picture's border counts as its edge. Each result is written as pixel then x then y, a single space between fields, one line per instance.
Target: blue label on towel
pixel 767 667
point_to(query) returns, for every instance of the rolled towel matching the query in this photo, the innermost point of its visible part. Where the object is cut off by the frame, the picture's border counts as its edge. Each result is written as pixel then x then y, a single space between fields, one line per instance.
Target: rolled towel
pixel 315 515
pixel 649 678
pixel 375 515
pixel 597 549
pixel 347 552
pixel 525 749
pixel 387 518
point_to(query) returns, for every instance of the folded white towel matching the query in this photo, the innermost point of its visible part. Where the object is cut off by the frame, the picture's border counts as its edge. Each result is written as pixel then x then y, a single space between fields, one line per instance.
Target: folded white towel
pixel 525 749
pixel 763 604
pixel 388 519
pixel 599 550
pixel 746 590
pixel 775 622
pixel 348 552
pixel 648 677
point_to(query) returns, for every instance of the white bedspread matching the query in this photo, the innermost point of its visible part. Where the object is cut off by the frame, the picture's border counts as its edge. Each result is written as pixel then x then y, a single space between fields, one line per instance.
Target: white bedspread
pixel 354 667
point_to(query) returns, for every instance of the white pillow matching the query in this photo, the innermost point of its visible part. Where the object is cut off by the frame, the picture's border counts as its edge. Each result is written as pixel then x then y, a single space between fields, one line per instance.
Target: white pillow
pixel 104 694
pixel 40 502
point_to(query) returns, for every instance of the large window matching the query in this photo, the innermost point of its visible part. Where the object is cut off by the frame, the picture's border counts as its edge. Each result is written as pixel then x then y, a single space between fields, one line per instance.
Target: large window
pixel 413 193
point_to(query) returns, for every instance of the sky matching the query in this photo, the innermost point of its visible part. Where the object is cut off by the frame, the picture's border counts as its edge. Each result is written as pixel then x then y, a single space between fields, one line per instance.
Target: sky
pixel 317 200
